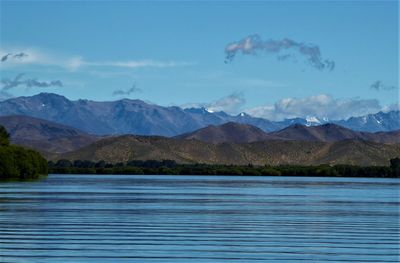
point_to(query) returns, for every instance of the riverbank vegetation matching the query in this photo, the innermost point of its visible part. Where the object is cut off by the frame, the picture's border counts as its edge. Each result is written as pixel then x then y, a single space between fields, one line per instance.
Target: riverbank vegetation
pixel 17 162
pixel 173 168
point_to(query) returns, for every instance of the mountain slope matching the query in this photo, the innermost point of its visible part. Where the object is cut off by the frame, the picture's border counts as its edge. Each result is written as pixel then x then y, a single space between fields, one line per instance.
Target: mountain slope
pixel 128 147
pixel 45 136
pixel 381 121
pixel 242 133
pixel 332 133
pixel 228 132
pixel 357 152
pixel 115 117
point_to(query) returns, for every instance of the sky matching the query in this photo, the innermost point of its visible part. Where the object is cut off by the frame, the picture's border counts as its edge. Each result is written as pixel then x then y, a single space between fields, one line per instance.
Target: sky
pixel 271 59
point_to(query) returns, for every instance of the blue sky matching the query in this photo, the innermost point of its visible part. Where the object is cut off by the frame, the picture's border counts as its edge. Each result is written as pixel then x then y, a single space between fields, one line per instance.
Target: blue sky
pixel 173 53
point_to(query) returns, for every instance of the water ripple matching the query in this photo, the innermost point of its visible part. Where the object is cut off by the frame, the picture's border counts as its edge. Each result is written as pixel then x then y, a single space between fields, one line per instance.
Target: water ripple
pixel 90 218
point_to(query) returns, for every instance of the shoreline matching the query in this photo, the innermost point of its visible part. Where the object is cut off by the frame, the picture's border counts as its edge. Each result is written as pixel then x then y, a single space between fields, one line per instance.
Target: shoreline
pixel 166 167
pixel 218 175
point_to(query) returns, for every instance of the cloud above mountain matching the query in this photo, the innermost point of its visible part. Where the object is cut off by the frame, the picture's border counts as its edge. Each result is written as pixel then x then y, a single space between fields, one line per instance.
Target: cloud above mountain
pixel 283 49
pixel 10 56
pixel 75 63
pixel 7 84
pixel 121 92
pixel 380 86
pixel 231 104
pixel 320 106
pixel 13 58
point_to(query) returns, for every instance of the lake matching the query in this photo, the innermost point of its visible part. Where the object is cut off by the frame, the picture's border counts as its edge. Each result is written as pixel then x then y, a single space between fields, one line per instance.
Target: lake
pixel 129 218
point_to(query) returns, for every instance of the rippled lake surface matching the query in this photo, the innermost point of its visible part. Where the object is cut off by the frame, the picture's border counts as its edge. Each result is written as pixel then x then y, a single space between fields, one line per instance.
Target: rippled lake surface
pixel 127 218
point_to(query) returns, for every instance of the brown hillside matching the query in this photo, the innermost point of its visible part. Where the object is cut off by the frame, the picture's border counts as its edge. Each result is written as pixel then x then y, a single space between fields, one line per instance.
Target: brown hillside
pixel 124 148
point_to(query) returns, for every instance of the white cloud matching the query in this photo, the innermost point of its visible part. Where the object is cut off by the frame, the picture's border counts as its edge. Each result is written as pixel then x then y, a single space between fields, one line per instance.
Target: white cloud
pixel 144 63
pixel 320 106
pixel 392 107
pixel 38 57
pixel 231 104
pixel 31 56
pixel 74 63
pixel 252 44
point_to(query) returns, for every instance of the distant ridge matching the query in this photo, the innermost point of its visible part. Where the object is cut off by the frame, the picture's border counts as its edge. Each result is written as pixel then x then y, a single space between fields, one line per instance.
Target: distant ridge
pixel 243 133
pixel 332 133
pixel 45 136
pixel 381 121
pixel 228 132
pixel 130 116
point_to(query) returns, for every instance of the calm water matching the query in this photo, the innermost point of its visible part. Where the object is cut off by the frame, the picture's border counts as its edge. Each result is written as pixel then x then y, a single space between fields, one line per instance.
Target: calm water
pixel 90 218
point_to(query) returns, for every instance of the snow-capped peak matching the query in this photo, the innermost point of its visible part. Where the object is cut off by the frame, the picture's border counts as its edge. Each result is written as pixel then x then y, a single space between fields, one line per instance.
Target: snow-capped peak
pixel 364 119
pixel 311 120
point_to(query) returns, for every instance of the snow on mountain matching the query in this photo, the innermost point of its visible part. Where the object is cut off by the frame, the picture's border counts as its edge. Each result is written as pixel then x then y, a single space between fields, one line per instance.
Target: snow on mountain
pixel 138 117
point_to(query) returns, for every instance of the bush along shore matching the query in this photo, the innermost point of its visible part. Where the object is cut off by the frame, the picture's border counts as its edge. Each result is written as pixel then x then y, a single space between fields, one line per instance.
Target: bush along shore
pixel 169 167
pixel 17 162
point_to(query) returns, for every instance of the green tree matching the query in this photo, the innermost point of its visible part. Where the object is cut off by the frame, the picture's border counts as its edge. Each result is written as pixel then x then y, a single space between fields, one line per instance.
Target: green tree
pixel 4 136
pixel 270 171
pixel 395 166
pixel 17 162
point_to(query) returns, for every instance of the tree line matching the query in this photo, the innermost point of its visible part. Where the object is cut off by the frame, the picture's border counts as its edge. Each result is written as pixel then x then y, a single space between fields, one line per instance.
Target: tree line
pixel 17 162
pixel 172 168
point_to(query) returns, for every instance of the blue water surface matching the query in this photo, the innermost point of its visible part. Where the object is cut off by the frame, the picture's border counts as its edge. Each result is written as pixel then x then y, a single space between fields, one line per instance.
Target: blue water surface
pixel 158 218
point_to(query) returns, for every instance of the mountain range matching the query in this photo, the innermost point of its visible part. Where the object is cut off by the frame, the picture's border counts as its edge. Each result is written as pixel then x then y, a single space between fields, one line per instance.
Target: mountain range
pixel 333 133
pixel 229 143
pixel 275 152
pixel 243 133
pixel 128 116
pixel 234 143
